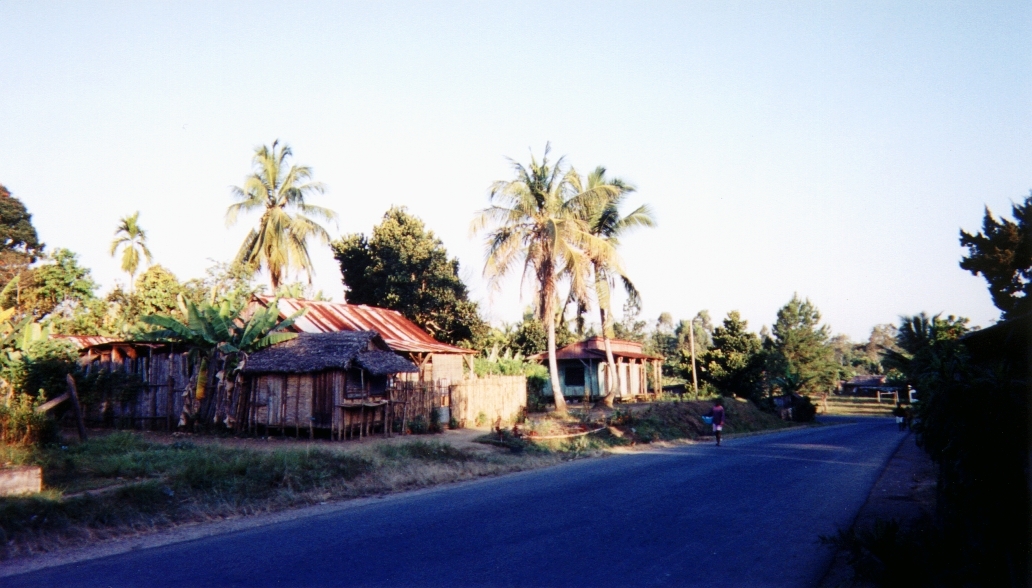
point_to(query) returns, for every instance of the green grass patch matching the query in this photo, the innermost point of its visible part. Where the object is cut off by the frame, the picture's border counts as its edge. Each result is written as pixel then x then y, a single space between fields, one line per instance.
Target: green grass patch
pixel 432 451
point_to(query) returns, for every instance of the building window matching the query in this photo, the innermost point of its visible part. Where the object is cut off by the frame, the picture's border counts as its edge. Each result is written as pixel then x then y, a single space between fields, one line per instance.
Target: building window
pixel 574 376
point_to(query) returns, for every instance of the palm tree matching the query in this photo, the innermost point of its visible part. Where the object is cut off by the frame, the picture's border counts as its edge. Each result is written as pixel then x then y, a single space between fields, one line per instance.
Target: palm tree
pixel 604 222
pixel 133 241
pixel 280 243
pixel 537 223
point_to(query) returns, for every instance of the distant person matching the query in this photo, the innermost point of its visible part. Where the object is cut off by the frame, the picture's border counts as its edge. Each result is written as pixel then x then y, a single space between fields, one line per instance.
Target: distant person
pixel 717 412
pixel 908 417
pixel 901 415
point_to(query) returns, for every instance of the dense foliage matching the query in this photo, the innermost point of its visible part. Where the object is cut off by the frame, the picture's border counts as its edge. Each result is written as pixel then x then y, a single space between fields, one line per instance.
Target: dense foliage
pixel 973 421
pixel 799 354
pixel 405 267
pixel 1002 254
pixel 734 364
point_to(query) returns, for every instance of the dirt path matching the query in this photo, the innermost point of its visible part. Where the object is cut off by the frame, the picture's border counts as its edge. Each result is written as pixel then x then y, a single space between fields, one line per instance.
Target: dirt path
pixel 905 492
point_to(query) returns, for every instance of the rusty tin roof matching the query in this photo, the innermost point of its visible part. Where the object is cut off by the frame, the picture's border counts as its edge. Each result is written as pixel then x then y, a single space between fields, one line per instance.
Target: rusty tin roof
pixel 398 332
pixel 84 341
pixel 594 348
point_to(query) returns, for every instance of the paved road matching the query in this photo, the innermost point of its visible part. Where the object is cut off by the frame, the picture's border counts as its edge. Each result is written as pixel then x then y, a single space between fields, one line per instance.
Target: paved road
pixel 744 514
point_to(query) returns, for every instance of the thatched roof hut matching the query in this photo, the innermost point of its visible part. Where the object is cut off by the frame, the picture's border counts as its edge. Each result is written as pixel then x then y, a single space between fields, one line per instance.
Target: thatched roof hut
pixel 316 352
pixel 323 381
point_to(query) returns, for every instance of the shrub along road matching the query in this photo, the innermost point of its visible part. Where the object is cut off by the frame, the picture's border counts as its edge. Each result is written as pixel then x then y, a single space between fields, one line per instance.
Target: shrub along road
pixel 745 514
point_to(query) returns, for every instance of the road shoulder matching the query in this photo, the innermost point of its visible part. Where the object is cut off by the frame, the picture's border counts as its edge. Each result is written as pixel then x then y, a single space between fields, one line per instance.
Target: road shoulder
pixel 905 491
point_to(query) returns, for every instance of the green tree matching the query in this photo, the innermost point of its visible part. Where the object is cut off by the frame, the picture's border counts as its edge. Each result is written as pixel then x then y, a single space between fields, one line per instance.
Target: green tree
pixel 19 244
pixel 801 353
pixel 535 223
pixel 630 327
pixel 734 364
pixel 280 243
pixel 224 281
pixel 405 267
pixel 1002 254
pixel 606 222
pixel 132 239
pixel 39 291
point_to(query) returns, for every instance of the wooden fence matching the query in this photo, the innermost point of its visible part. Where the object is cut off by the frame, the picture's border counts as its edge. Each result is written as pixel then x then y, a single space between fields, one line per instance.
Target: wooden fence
pixel 490 399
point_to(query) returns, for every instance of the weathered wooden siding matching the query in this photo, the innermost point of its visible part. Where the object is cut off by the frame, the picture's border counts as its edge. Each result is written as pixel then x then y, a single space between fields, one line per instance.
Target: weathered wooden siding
pixel 166 376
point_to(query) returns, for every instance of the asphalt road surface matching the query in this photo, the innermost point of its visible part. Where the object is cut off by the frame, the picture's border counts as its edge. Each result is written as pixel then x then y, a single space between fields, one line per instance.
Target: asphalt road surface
pixel 747 513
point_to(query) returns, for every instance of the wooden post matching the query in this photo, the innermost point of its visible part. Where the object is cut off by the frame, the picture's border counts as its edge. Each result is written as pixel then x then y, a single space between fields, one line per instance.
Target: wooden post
pixel 75 405
pixel 404 417
pixel 691 342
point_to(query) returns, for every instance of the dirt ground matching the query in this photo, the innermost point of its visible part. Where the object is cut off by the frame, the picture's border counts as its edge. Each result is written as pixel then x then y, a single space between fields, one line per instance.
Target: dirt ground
pixel 905 492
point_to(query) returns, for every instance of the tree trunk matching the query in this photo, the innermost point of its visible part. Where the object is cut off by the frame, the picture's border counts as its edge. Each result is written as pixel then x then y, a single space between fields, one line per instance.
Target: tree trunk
pixel 610 396
pixel 553 365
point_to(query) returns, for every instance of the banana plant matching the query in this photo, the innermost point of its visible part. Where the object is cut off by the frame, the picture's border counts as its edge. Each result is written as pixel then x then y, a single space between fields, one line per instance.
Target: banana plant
pixel 217 334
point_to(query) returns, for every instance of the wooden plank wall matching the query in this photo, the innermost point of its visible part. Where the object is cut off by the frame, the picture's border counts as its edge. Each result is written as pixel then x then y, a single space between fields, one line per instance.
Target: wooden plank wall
pixel 166 376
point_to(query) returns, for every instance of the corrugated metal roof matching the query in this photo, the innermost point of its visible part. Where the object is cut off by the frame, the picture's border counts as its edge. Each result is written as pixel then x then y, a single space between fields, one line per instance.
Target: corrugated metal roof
pixel 84 341
pixel 594 348
pixel 398 332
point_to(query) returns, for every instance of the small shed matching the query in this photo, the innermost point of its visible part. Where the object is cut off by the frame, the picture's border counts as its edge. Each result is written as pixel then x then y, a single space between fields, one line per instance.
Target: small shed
pixel 582 369
pixel 436 361
pixel 319 380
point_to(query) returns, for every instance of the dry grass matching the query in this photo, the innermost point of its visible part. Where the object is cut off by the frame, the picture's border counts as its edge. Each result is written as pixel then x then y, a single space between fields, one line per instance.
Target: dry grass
pixel 122 484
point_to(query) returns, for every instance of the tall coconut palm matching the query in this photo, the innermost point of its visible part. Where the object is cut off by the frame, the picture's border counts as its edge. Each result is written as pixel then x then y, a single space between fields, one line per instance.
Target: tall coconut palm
pixel 280 242
pixel 606 223
pixel 537 223
pixel 133 241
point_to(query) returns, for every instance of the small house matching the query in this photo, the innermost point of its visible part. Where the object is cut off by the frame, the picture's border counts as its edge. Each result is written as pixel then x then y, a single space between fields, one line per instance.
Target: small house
pixel 582 369
pixel 323 381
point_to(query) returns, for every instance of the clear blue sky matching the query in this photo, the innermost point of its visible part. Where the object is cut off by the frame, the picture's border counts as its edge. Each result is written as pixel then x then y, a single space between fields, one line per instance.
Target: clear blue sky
pixel 828 148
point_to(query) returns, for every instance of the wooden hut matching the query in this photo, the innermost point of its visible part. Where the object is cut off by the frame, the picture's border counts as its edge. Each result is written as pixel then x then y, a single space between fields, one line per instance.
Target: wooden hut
pixel 582 369
pixel 336 381
pixel 436 361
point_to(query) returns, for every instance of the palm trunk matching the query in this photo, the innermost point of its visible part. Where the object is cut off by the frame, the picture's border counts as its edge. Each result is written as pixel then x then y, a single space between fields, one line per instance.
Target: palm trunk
pixel 553 365
pixel 611 385
pixel 602 292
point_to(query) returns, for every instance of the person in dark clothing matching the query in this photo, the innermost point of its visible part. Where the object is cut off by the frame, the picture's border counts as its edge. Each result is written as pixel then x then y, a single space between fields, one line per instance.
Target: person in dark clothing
pixel 717 412
pixel 900 413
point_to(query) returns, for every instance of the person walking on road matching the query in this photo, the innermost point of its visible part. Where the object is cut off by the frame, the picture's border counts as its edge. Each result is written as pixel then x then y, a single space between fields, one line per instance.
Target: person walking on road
pixel 717 414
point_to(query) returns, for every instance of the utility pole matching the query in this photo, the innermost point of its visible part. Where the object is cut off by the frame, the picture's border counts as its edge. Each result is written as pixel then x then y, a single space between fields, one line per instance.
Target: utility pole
pixel 691 345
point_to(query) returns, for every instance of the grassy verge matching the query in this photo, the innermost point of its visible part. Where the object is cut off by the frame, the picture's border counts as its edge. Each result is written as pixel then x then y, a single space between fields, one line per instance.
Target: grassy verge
pixel 121 484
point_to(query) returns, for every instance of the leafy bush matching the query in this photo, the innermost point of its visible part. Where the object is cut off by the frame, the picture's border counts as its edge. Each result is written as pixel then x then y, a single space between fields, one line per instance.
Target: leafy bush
pixel 419 425
pixel 803 409
pixel 20 424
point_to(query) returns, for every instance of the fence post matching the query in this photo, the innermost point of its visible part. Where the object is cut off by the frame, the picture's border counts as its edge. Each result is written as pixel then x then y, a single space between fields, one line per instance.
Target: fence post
pixel 78 408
